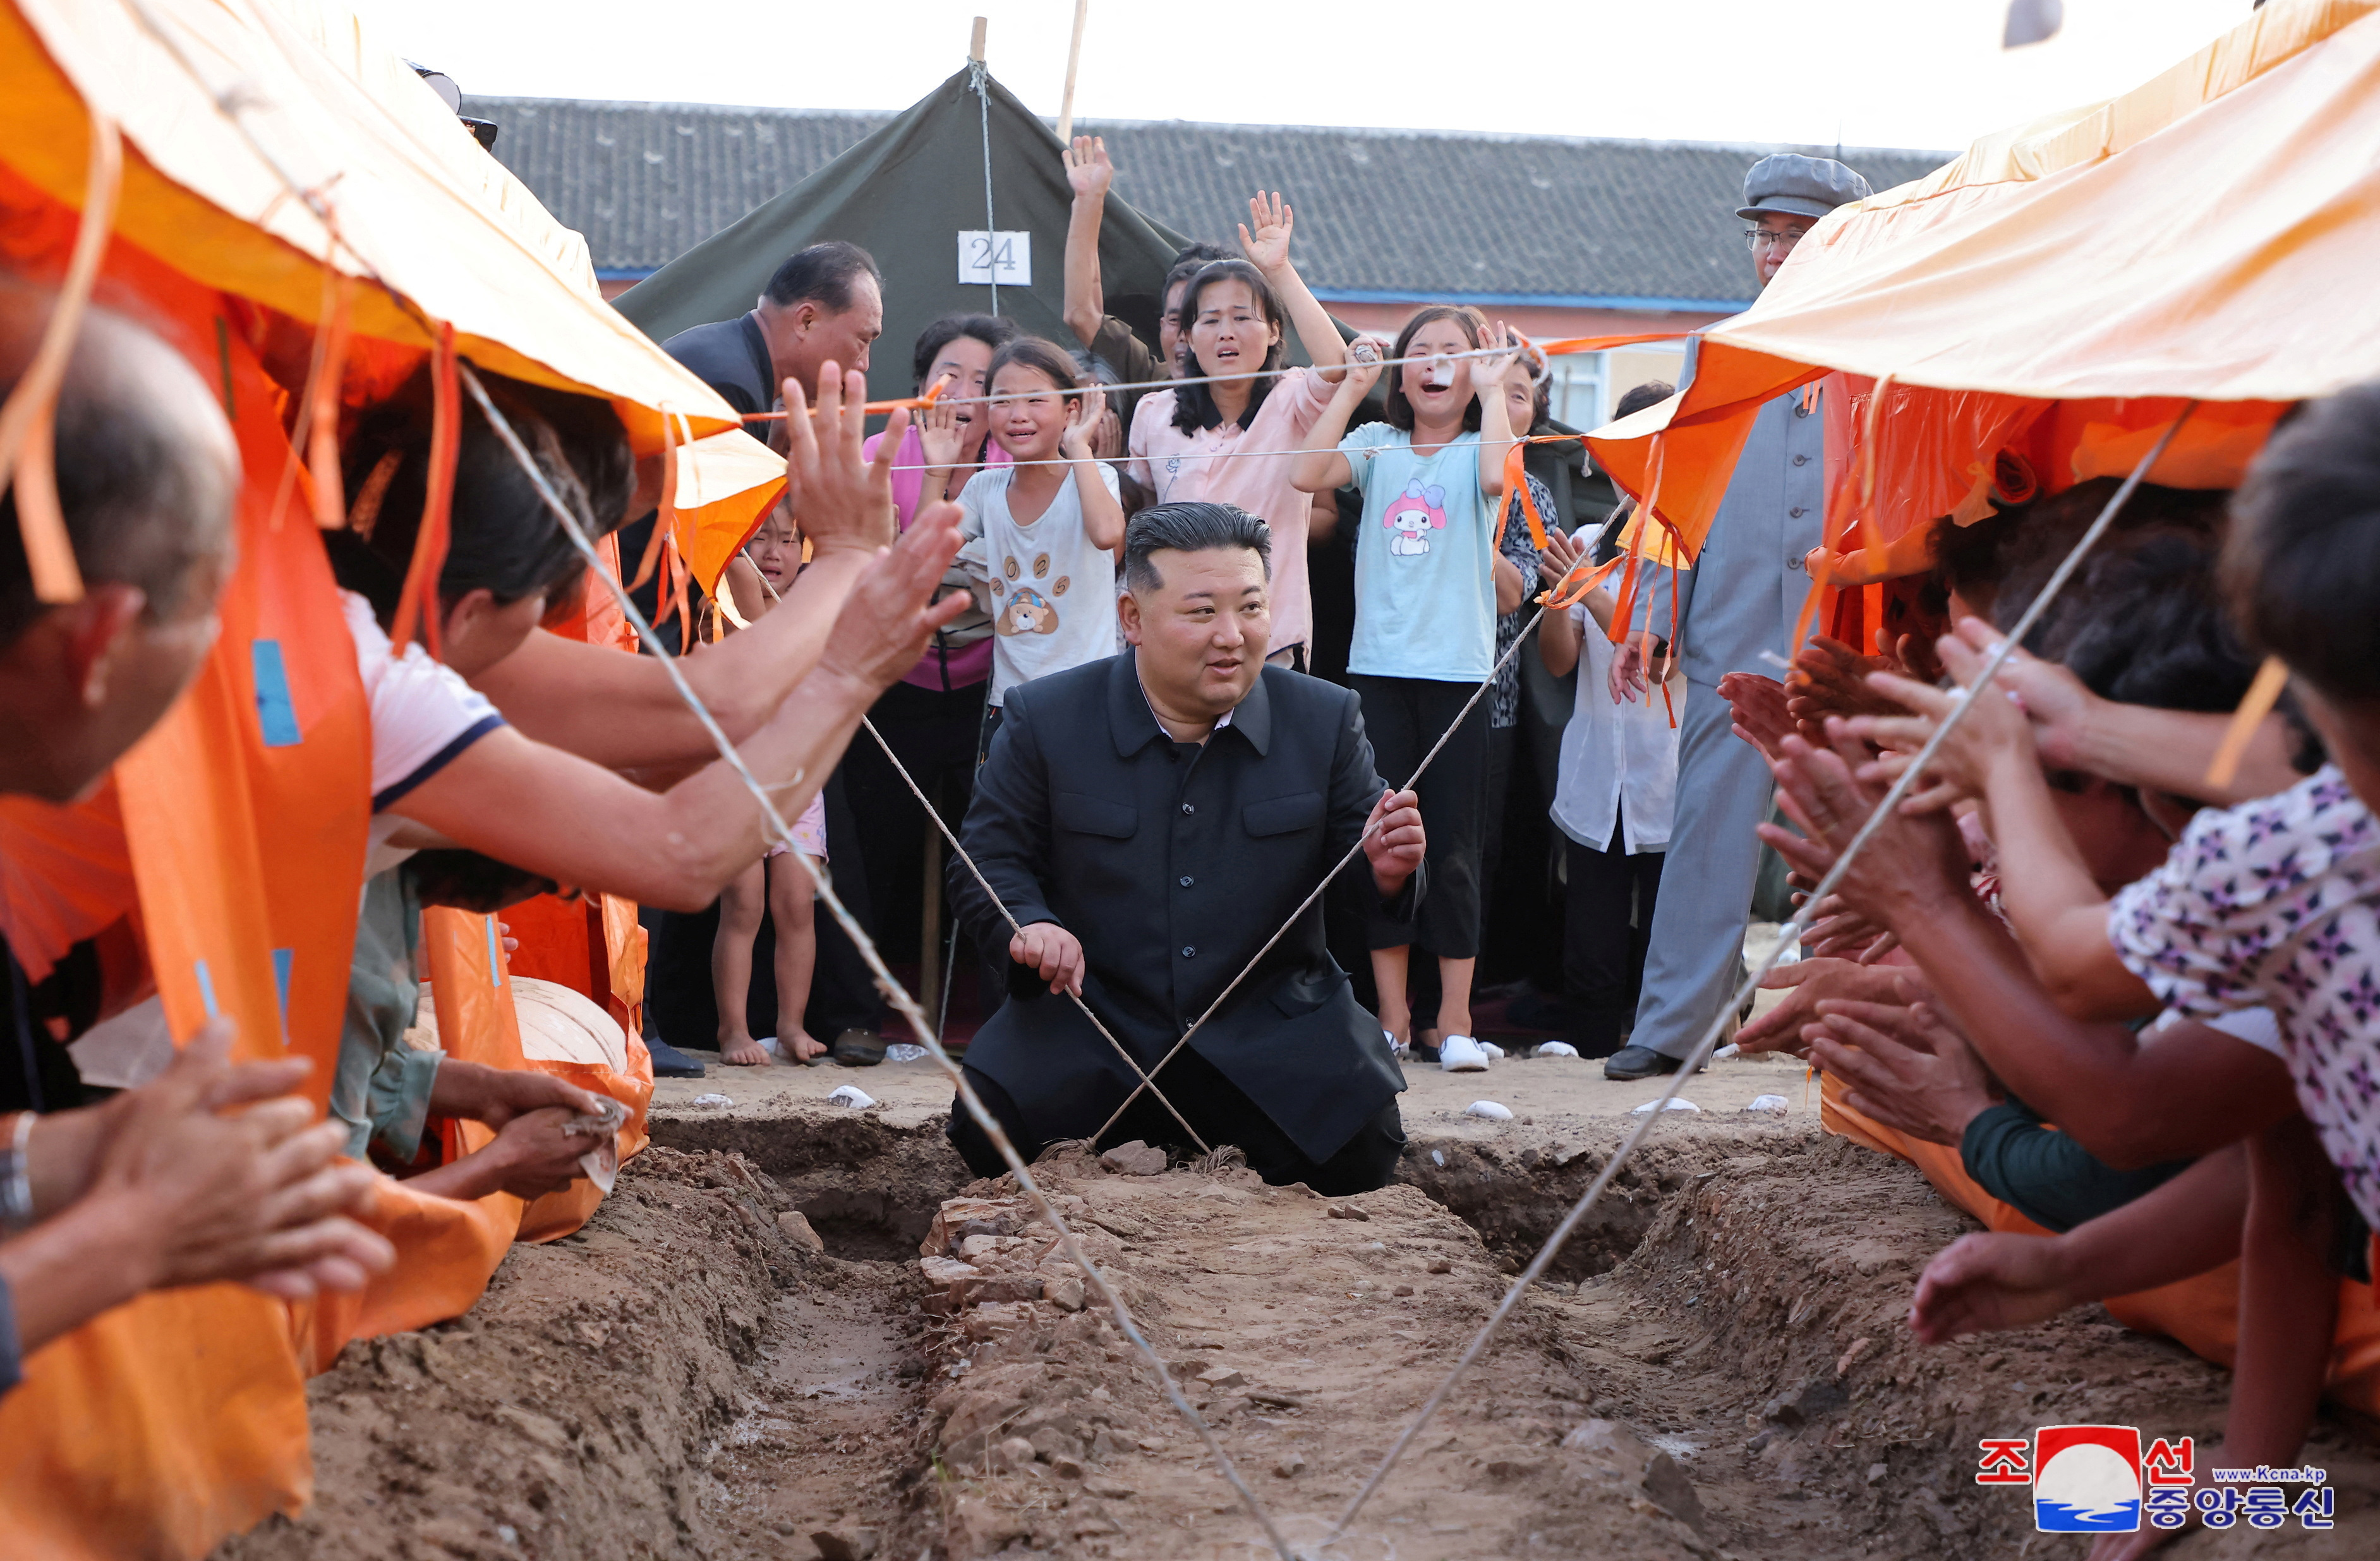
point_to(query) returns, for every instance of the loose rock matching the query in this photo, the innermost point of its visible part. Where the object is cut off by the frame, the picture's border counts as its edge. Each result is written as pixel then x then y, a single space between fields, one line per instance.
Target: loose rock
pixel 797 1227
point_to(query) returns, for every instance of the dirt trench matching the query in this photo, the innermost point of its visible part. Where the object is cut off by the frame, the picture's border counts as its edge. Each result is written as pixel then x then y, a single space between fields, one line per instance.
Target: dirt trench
pixel 1721 1369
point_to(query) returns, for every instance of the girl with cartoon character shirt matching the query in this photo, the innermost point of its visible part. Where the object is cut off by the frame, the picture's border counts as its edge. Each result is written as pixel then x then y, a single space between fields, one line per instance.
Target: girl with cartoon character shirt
pixel 1432 478
pixel 1042 534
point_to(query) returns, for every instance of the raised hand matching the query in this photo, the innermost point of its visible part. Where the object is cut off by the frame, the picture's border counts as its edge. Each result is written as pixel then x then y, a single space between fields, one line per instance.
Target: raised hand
pixel 1806 984
pixel 1994 734
pixel 1910 865
pixel 1267 247
pixel 1082 424
pixel 941 437
pixel 1905 1067
pixel 1830 678
pixel 1562 553
pixel 891 612
pixel 1365 356
pixel 845 500
pixel 1502 347
pixel 1089 172
pixel 1760 714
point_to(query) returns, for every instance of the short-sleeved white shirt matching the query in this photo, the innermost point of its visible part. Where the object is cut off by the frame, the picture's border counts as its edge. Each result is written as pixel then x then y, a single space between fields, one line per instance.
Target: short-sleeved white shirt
pixel 1616 759
pixel 2276 903
pixel 423 714
pixel 1051 594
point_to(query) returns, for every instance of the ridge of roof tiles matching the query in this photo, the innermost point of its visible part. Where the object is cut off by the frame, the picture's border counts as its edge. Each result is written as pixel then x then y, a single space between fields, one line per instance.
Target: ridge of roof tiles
pixel 1382 211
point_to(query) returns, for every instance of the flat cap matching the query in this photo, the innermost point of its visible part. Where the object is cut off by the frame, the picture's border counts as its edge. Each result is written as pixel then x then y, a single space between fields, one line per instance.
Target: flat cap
pixel 1806 186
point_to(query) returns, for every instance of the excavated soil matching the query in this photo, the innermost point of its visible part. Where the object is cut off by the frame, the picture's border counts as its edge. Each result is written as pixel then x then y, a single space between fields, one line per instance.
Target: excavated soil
pixel 1721 1369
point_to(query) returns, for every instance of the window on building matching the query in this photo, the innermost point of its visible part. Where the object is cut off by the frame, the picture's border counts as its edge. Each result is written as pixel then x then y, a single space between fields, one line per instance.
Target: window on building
pixel 1578 398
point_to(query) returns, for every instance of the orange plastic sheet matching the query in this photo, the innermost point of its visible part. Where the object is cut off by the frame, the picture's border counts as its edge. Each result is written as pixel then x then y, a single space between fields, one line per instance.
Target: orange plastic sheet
pixel 2068 285
pixel 2201 1314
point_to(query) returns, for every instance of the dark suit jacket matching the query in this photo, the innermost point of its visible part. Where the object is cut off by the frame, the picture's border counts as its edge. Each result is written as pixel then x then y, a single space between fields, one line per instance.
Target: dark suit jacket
pixel 1173 865
pixel 732 357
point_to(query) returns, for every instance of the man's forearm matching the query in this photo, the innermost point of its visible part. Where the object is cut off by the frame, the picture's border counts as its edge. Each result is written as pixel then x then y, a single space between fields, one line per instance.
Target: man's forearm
pixel 68 1270
pixel 2170 750
pixel 747 676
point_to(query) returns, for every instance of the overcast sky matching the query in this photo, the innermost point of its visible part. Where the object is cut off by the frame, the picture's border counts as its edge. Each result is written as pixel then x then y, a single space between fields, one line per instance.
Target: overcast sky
pixel 1926 74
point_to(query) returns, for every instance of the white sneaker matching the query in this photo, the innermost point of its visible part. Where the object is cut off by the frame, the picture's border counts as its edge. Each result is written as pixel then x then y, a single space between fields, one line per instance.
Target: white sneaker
pixel 1460 1053
pixel 1396 1049
pixel 1495 1052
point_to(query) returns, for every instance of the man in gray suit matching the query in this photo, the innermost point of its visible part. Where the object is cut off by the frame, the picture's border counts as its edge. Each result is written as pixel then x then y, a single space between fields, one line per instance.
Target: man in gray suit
pixel 1739 599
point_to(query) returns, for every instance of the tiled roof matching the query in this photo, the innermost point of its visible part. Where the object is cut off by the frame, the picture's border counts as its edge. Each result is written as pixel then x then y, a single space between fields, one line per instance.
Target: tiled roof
pixel 1393 213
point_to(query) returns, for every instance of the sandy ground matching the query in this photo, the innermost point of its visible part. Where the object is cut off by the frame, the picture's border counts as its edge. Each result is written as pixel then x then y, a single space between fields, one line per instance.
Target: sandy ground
pixel 1552 1091
pixel 1718 1366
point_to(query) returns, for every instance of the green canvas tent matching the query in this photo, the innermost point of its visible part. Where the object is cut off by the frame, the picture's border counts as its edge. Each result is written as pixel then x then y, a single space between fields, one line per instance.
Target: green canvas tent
pixel 905 194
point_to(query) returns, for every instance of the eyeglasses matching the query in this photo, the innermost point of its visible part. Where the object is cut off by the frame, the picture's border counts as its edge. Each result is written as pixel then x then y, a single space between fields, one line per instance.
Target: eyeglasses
pixel 1783 238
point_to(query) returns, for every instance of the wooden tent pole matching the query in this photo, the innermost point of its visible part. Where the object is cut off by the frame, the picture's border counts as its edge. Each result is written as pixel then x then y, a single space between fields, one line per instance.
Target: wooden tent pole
pixel 975 41
pixel 1073 59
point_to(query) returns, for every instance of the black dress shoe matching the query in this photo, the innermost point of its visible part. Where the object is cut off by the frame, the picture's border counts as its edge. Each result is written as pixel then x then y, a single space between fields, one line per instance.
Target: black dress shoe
pixel 857 1049
pixel 671 1063
pixel 1637 1062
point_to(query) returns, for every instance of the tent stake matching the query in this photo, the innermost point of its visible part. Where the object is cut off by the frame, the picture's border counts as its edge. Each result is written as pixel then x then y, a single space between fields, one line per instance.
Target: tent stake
pixel 1073 59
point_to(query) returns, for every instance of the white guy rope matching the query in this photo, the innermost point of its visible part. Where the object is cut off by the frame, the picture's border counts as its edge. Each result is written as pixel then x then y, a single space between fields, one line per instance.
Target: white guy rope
pixel 1790 937
pixel 936 814
pixel 893 991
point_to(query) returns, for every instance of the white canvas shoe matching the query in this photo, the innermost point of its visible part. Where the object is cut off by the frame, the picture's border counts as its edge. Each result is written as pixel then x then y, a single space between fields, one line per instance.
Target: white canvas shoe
pixel 1460 1053
pixel 1495 1052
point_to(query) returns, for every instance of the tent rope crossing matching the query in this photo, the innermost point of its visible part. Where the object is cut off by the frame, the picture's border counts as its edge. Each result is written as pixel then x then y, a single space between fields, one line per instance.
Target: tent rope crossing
pixel 887 983
pixel 1885 808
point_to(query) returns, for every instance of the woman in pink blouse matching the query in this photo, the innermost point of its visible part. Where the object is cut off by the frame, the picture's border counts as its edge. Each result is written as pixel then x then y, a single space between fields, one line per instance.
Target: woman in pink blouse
pixel 1184 442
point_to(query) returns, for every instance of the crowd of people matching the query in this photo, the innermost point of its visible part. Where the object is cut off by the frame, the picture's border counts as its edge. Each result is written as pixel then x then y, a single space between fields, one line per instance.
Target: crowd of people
pixel 1081 619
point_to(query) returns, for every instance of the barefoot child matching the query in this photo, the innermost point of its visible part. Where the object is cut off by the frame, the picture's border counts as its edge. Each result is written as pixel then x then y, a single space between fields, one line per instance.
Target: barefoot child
pixel 757 580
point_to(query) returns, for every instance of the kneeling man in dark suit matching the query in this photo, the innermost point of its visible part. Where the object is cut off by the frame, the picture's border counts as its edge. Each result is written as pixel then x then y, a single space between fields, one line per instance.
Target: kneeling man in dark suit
pixel 1149 820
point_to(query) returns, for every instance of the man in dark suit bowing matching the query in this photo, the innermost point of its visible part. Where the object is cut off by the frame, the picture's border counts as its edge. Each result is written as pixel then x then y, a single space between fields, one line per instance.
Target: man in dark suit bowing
pixel 1148 820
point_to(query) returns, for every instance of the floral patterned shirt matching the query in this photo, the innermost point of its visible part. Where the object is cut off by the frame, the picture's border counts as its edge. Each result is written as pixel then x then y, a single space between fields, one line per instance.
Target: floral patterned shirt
pixel 2277 903
pixel 1504 699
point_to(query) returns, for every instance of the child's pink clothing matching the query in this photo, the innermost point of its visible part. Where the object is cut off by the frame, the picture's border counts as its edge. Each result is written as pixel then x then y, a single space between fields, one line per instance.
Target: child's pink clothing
pixel 810 830
pixel 1177 467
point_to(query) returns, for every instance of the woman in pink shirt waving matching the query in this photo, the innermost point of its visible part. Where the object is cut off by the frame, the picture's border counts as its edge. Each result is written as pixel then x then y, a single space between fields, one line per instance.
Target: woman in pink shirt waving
pixel 1185 442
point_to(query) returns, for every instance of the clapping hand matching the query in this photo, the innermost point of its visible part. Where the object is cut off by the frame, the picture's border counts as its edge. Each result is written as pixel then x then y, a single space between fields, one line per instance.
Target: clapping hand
pixel 846 499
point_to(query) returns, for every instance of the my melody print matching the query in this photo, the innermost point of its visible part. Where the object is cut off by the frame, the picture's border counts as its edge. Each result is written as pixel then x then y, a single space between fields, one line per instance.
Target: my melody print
pixel 1413 514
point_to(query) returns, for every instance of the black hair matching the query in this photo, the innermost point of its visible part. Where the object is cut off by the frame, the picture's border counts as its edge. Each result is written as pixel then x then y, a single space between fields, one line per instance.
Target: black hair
pixel 1043 356
pixel 822 275
pixel 2142 622
pixel 990 330
pixel 470 881
pixel 500 537
pixel 2301 569
pixel 141 502
pixel 1194 406
pixel 1190 529
pixel 1635 398
pixel 1474 327
pixel 2001 561
pixel 1189 263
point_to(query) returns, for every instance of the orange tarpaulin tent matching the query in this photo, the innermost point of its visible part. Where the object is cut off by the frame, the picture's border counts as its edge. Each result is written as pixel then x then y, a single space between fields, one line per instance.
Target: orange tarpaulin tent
pixel 238 850
pixel 2065 287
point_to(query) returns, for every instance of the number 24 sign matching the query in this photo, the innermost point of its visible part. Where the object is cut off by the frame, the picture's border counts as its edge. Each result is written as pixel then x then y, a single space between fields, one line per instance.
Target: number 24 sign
pixel 1005 258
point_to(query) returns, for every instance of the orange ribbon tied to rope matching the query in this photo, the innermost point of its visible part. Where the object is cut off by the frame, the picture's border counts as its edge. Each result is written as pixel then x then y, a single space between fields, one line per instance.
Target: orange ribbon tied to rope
pixel 419 606
pixel 27 452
